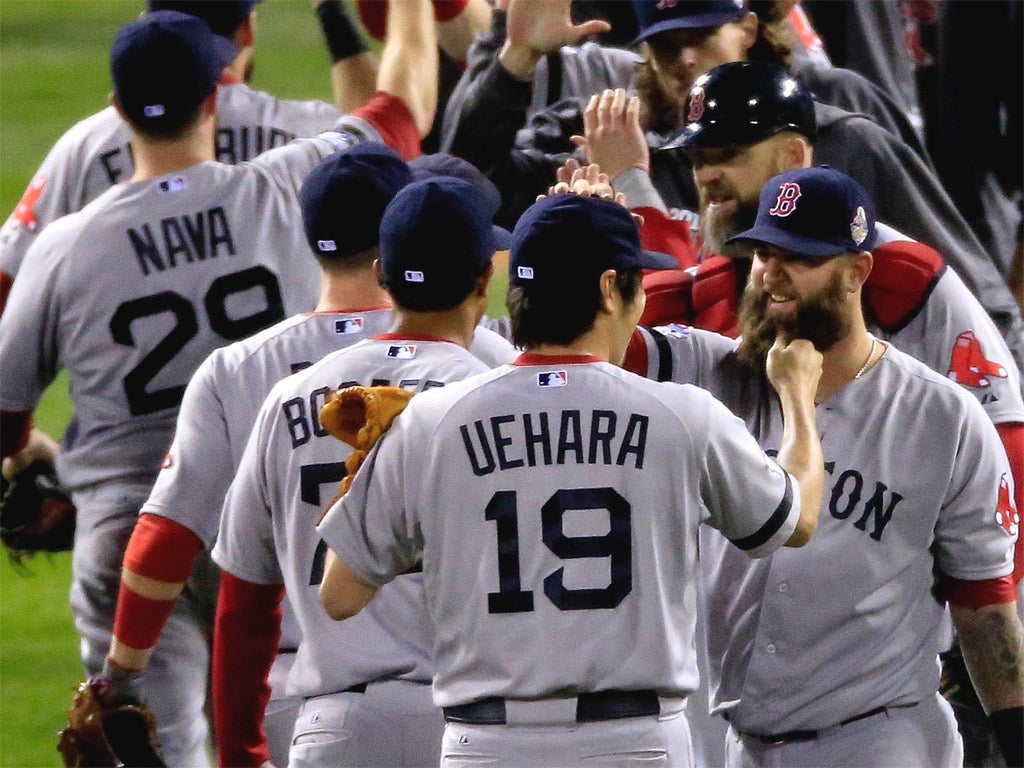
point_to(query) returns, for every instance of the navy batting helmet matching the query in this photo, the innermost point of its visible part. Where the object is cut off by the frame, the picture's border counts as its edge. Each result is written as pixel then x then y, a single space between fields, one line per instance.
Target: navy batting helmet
pixel 744 102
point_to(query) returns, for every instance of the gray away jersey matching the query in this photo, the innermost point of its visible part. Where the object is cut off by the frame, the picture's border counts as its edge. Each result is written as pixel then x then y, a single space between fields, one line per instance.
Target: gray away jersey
pixel 289 473
pixel 95 154
pixel 132 293
pixel 916 478
pixel 556 506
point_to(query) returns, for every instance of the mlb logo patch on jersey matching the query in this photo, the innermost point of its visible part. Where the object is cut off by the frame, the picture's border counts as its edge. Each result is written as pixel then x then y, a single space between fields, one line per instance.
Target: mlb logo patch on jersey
pixel 402 351
pixel 675 330
pixel 175 184
pixel 349 325
pixel 552 379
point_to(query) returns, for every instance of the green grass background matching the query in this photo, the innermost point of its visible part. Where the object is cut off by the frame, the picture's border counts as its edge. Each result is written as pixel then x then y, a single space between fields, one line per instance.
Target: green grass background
pixel 53 72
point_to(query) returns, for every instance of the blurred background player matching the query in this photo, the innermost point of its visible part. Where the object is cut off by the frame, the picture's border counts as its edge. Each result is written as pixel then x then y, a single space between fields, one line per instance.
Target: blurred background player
pixel 590 478
pixel 205 276
pixel 829 657
pixel 365 683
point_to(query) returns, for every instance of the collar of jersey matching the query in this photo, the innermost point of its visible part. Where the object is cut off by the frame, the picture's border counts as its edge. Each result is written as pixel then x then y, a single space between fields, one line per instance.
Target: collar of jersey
pixel 532 358
pixel 409 337
pixel 352 311
pixel 227 78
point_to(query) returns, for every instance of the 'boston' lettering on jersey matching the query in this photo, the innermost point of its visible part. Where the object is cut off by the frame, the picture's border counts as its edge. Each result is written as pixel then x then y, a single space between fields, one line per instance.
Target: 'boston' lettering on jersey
pixel 508 441
pixel 185 238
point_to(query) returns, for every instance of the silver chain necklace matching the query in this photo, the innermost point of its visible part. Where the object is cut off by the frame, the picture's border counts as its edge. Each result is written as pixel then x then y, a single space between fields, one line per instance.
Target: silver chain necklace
pixel 867 363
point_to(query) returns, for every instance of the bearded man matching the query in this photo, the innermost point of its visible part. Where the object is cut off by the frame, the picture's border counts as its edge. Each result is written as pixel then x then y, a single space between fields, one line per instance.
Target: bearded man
pixel 828 656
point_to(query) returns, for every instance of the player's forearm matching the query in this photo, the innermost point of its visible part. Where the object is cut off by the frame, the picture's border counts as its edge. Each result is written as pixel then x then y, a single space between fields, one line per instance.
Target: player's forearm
pixel 157 563
pixel 247 631
pixel 408 65
pixel 458 24
pixel 801 456
pixel 354 66
pixel 342 593
pixel 992 642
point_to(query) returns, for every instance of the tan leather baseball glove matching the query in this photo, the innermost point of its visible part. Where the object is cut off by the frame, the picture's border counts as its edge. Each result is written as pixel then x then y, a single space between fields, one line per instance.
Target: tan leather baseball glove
pixel 359 416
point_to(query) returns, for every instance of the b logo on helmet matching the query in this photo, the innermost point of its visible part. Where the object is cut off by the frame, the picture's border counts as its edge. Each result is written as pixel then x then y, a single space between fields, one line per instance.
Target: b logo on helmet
pixel 696 106
pixel 785 204
pixel 664 5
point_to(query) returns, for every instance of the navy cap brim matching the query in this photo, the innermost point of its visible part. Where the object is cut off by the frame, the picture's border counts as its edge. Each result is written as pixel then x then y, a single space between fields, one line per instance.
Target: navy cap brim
pixel 790 242
pixel 657 260
pixel 502 238
pixel 696 21
pixel 224 49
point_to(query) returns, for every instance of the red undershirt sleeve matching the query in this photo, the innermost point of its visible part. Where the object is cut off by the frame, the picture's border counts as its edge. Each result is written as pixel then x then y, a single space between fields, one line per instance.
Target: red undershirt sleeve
pixel 245 639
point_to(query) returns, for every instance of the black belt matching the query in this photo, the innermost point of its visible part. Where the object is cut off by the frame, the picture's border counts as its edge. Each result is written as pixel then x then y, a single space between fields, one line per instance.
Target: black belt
pixel 590 707
pixel 811 735
pixel 357 688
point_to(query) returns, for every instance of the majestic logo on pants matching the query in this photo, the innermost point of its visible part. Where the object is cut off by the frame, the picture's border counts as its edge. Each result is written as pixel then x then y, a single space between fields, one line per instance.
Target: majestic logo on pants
pixel 968 364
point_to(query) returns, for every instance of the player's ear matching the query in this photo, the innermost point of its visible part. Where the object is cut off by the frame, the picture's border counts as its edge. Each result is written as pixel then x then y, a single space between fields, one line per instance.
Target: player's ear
pixel 749 23
pixel 610 296
pixel 483 283
pixel 378 272
pixel 860 267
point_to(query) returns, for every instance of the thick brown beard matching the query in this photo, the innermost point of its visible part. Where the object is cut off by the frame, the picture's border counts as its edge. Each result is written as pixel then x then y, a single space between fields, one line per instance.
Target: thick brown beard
pixel 715 233
pixel 819 319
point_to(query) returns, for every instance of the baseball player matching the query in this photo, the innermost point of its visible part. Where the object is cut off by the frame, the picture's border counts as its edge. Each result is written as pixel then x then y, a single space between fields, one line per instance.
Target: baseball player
pixel 94 154
pixel 829 658
pixel 132 293
pixel 555 503
pixel 365 684
pixel 344 198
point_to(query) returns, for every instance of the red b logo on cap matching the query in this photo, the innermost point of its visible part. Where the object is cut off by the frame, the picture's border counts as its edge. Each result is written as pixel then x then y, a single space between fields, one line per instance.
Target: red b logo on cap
pixel 785 204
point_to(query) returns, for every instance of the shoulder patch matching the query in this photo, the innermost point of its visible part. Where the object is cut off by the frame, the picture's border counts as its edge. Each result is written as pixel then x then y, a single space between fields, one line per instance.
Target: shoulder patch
pixel 968 365
pixel 1007 517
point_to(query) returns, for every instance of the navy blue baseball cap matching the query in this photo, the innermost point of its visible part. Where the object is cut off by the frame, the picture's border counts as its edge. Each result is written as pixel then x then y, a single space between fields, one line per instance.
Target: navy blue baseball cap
pixel 164 64
pixel 813 212
pixel 654 16
pixel 561 237
pixel 444 164
pixel 437 235
pixel 223 16
pixel 344 198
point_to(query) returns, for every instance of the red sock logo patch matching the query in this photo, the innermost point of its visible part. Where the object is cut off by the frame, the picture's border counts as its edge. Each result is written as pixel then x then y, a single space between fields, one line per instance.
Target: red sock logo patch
pixel 1006 515
pixel 968 364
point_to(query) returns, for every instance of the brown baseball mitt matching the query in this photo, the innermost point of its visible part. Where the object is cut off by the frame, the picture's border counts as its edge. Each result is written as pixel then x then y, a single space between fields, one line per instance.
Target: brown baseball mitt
pixel 359 416
pixel 100 734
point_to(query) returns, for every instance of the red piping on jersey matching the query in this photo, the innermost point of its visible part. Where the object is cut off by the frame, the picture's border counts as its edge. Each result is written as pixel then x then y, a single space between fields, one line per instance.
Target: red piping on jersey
pixel 1012 435
pixel 162 549
pixel 14 429
pixel 347 311
pixel 975 594
pixel 246 634
pixel 533 358
pixel 228 78
pixel 388 336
